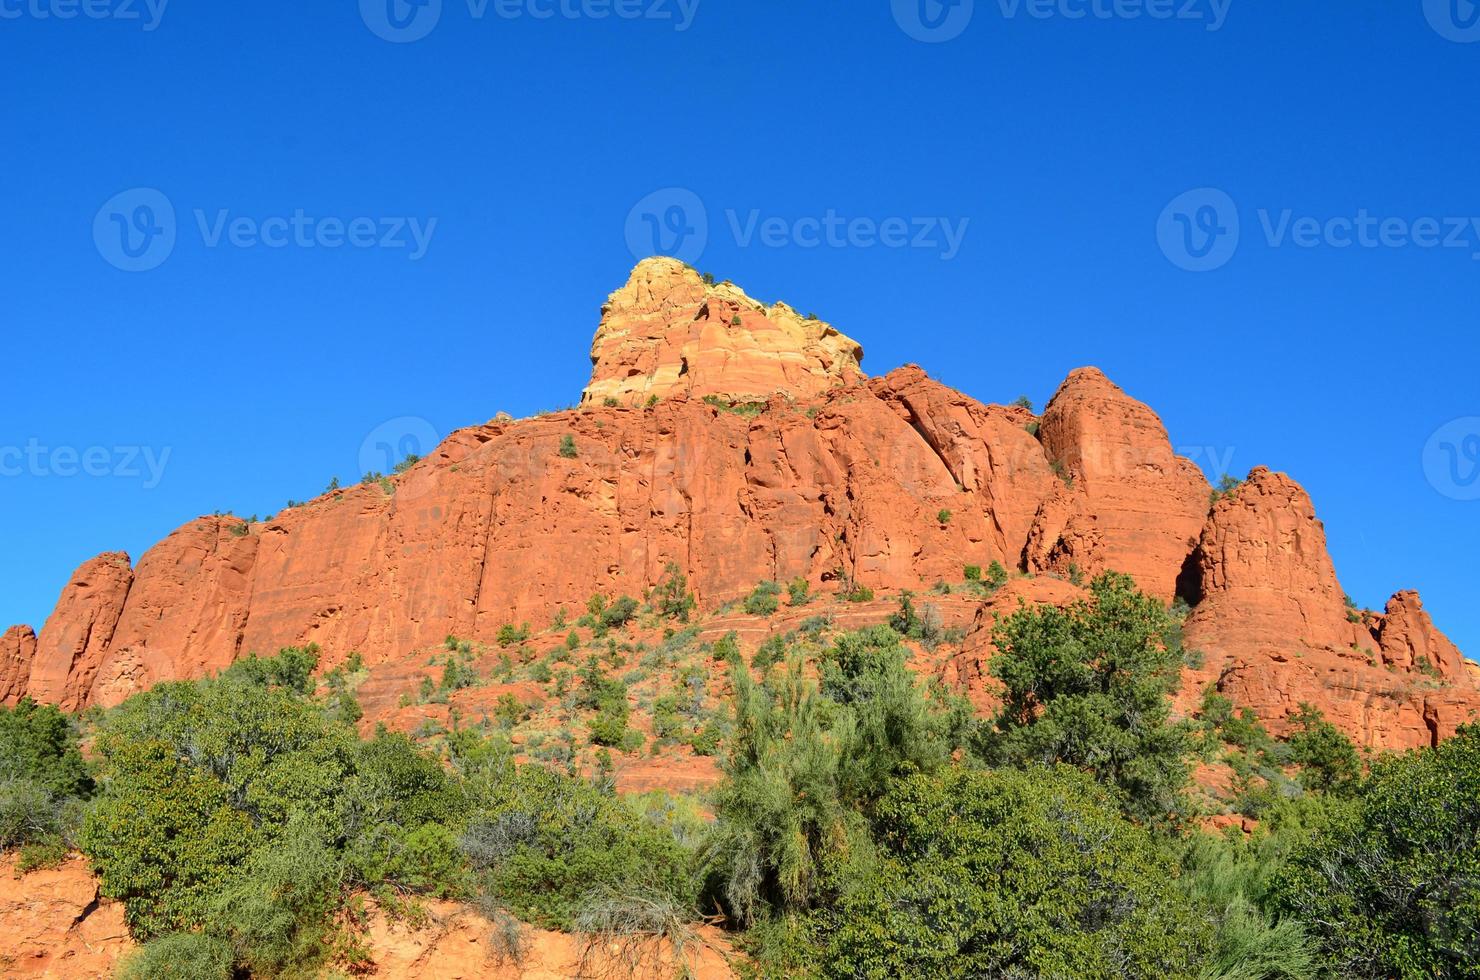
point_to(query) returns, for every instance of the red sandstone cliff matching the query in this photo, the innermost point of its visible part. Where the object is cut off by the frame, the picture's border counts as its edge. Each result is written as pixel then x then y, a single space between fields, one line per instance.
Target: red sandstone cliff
pixel 1273 624
pixel 838 477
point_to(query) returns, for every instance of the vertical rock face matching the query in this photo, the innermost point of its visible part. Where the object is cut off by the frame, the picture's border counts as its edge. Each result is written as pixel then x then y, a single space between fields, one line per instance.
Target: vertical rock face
pixel 184 613
pixel 77 635
pixel 1130 504
pixel 667 333
pixel 17 651
pixel 896 482
pixel 1275 630
pixel 1266 577
pixel 987 449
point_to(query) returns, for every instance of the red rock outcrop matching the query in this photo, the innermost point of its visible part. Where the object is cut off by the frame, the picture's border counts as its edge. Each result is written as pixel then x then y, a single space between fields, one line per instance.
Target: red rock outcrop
pixel 1130 503
pixel 1409 641
pixel 668 333
pixel 895 482
pixel 53 924
pixel 1275 631
pixel 987 449
pixel 77 635
pixel 17 651
pixel 497 526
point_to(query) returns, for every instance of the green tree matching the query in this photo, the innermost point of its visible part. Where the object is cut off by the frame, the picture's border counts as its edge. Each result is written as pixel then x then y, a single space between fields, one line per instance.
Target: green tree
pixel 1088 686
pixel 671 597
pixel 806 762
pixel 1389 885
pixel 1013 874
pixel 1328 760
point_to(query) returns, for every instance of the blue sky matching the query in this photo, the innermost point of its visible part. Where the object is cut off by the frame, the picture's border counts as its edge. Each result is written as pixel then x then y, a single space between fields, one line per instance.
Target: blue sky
pixel 1059 149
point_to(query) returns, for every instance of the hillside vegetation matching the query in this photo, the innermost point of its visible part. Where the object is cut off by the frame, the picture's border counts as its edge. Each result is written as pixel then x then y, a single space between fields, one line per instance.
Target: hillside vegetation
pixel 866 822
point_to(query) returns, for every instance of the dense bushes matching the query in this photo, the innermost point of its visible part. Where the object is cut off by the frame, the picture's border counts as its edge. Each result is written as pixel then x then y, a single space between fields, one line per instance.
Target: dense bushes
pixel 43 782
pixel 1088 686
pixel 545 842
pixel 240 813
pixel 867 824
pixel 1389 883
pixel 1007 873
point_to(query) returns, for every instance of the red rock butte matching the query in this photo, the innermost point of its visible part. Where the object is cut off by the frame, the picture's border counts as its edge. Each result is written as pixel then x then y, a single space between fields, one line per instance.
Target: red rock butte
pixel 825 474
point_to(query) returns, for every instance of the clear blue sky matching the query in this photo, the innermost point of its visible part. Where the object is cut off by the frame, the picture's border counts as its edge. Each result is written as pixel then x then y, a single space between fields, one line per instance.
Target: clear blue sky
pixel 1061 140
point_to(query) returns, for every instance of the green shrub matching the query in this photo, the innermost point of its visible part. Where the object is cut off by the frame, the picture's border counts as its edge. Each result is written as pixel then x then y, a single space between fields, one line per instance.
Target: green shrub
pixel 542 842
pixel 798 593
pixel 509 711
pixel 277 911
pixel 43 779
pixel 1013 874
pixel 1089 686
pixel 205 779
pixel 619 613
pixel 996 575
pixel 164 837
pixel 973 573
pixel 1328 760
pixel 1389 882
pixel 943 516
pixel 672 598
pixel 182 956
pixel 509 634
pixel 763 601
pixel 769 653
pixel 804 764
pixel 568 447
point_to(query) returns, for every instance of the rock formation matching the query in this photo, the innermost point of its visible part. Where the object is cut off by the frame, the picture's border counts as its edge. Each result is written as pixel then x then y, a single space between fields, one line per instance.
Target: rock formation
pixel 79 631
pixel 56 927
pixel 1276 631
pixel 1128 501
pixel 17 652
pixel 798 467
pixel 668 333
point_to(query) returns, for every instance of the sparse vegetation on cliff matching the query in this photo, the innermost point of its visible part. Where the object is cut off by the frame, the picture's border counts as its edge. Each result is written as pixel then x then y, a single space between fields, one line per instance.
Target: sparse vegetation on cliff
pixel 867 821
